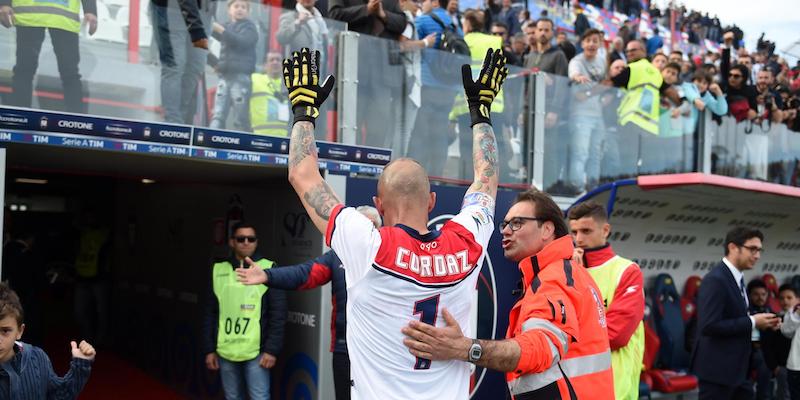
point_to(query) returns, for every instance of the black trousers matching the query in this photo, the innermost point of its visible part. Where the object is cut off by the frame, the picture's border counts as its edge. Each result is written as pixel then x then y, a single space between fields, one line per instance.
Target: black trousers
pixel 65 45
pixel 715 391
pixel 341 376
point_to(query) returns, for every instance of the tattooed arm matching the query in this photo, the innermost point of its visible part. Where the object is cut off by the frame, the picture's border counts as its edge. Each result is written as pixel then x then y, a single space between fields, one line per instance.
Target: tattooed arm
pixel 316 195
pixel 484 158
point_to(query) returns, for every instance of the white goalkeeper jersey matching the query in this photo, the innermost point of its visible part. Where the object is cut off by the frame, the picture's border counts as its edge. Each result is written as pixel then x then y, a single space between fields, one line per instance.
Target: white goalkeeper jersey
pixel 395 274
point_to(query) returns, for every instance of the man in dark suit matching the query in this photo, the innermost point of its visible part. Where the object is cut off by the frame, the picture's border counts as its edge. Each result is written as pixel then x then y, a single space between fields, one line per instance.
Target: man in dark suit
pixel 721 355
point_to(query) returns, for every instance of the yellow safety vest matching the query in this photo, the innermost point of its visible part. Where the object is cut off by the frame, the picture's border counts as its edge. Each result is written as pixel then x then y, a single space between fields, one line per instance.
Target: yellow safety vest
pixel 641 102
pixel 478 44
pixel 88 260
pixel 269 115
pixel 59 14
pixel 626 362
pixel 239 328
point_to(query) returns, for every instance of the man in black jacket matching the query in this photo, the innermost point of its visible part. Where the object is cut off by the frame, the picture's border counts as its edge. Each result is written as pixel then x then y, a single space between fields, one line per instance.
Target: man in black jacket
pixel 721 356
pixel 243 325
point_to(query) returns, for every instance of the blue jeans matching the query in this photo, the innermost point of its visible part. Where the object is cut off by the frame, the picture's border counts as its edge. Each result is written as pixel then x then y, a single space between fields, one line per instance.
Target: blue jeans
pixel 238 375
pixel 182 64
pixel 233 93
pixel 588 134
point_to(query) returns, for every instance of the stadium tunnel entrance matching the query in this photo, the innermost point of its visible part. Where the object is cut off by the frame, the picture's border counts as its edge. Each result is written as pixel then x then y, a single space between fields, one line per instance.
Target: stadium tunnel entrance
pixel 166 220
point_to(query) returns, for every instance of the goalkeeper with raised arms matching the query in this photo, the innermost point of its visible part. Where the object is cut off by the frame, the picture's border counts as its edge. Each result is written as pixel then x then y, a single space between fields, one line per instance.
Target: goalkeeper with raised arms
pixel 404 270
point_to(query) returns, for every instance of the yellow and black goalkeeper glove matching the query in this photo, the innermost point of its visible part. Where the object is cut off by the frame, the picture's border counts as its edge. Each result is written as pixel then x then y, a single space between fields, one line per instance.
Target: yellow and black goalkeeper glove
pixel 301 77
pixel 482 92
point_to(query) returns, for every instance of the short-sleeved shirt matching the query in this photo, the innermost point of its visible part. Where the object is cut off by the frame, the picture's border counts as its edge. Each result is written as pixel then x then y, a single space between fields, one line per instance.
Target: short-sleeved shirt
pixel 395 274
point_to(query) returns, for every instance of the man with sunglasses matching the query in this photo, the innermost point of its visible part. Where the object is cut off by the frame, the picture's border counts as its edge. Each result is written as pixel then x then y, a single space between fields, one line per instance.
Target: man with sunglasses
pixel 243 325
pixel 557 346
pixel 721 356
pixel 740 95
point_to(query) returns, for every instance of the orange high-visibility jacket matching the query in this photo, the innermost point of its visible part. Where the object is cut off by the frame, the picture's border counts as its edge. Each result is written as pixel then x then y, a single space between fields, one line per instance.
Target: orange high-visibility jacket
pixel 560 326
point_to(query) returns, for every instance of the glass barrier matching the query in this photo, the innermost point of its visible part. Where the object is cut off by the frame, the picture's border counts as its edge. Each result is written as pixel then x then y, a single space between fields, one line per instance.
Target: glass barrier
pixel 755 149
pixel 411 100
pixel 585 143
pixel 140 64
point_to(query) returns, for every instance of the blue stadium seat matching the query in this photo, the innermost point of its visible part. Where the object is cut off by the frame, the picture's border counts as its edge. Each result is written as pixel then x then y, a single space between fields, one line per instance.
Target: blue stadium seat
pixel 668 320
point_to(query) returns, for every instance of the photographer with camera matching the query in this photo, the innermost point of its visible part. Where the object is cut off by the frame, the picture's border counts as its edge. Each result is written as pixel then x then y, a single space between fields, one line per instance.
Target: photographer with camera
pixel 769 102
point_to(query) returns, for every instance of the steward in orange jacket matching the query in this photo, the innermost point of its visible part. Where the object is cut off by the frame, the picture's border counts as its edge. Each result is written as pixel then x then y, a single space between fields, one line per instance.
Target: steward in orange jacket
pixel 557 345
pixel 560 309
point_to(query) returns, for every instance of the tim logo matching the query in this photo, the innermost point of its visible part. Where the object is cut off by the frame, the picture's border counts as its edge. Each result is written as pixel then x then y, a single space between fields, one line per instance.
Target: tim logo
pixel 295 223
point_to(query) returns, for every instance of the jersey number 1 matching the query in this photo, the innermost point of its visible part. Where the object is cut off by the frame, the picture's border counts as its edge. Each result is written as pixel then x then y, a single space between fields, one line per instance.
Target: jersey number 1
pixel 428 309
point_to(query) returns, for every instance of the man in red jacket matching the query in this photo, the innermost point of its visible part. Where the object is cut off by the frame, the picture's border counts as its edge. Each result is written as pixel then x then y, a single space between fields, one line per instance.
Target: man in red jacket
pixel 621 284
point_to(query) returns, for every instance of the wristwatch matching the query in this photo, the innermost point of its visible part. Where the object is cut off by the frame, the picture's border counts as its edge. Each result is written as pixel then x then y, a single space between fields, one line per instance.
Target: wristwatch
pixel 475 351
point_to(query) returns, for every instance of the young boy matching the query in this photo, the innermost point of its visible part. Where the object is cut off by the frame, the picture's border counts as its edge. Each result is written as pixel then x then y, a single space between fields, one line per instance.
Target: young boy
pixel 791 322
pixel 25 370
pixel 237 60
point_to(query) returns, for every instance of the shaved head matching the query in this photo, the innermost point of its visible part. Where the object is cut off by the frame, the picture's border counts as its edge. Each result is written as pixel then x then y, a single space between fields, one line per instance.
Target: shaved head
pixel 404 182
pixel 404 195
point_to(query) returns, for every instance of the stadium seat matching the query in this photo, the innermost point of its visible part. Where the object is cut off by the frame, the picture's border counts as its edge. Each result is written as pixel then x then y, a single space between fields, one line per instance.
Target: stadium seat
pixel 665 381
pixel 669 325
pixel 689 298
pixel 772 292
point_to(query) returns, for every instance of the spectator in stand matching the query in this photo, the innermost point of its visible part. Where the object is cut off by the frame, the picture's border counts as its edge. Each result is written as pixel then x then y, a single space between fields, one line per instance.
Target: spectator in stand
pixel 182 54
pixel 581 22
pixel 524 17
pixel 587 129
pixel 490 12
pixel 381 84
pixel 703 93
pixel 757 293
pixel 676 56
pixel 745 59
pixel 663 153
pixel 519 48
pixel 509 16
pixel 654 43
pixel 411 46
pixel 545 57
pixel 659 60
pixel 612 158
pixel 454 13
pixel 741 97
pixel 687 71
pixel 777 346
pixel 237 61
pixel 303 26
pixel 565 45
pixel 550 59
pixel 500 29
pixel 769 101
pixel 479 43
pixel 617 51
pixel 437 97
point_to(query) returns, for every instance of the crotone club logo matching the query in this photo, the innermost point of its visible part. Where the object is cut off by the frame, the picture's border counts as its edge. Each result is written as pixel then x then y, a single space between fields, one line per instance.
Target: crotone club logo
pixel 484 304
